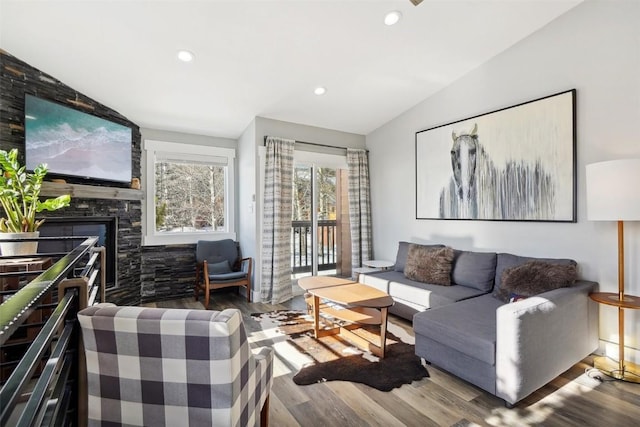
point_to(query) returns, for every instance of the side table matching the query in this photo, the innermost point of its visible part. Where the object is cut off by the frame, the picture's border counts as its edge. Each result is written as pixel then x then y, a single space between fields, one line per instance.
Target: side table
pixel 370 266
pixel 625 371
pixel 379 264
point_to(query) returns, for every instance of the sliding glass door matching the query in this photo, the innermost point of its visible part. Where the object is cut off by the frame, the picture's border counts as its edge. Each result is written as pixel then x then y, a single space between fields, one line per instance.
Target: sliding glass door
pixel 320 236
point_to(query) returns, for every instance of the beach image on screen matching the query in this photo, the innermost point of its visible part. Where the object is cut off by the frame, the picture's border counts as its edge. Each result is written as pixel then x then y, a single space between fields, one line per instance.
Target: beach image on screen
pixel 74 143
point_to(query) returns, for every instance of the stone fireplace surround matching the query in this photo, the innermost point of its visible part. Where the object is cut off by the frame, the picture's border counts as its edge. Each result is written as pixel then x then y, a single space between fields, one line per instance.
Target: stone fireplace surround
pixel 128 237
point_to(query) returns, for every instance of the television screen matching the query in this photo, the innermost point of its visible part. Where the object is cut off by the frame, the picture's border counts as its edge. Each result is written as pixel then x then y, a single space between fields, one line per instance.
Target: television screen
pixel 73 143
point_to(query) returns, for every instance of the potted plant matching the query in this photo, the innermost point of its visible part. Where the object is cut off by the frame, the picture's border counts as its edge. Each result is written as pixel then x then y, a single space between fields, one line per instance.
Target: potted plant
pixel 19 197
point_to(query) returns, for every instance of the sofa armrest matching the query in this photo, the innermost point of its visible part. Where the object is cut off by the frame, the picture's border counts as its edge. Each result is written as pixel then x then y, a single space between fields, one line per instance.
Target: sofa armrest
pixel 540 337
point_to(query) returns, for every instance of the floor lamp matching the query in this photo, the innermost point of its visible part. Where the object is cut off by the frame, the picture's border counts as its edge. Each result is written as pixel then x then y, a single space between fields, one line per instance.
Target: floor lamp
pixel 612 195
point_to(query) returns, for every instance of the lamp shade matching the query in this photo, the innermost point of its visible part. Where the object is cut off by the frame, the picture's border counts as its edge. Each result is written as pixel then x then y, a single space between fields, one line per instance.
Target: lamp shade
pixel 612 190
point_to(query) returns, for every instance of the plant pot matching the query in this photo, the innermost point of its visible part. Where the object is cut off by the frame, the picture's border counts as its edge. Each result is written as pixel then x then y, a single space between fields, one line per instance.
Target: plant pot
pixel 19 248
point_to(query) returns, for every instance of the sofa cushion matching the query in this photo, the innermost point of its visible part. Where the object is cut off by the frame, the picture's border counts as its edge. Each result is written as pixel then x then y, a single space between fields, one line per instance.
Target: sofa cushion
pixel 231 276
pixel 468 326
pixel 423 295
pixel 506 260
pixel 474 269
pixel 403 250
pixel 429 265
pixel 533 278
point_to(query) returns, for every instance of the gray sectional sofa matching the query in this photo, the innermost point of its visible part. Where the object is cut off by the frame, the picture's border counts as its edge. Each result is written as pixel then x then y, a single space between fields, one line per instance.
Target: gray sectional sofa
pixel 509 349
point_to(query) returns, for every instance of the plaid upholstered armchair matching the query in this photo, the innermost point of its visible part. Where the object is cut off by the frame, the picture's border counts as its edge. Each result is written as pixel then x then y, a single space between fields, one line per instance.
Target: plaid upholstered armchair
pixel 173 367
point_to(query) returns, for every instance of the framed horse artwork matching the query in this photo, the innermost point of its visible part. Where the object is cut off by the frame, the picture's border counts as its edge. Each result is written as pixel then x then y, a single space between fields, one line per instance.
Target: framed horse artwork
pixel 514 164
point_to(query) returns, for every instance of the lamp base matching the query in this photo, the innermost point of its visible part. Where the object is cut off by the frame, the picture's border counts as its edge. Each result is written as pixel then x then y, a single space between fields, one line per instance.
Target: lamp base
pixel 611 368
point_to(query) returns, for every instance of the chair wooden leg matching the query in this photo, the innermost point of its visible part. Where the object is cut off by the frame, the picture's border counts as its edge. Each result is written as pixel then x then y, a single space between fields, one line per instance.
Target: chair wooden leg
pixel 196 284
pixel 248 288
pixel 264 413
pixel 206 296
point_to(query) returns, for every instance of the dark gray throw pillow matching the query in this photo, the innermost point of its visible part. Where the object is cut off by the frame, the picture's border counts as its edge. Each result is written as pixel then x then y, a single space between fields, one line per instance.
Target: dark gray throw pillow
pixel 429 265
pixel 533 278
pixel 401 256
pixel 219 267
pixel 474 269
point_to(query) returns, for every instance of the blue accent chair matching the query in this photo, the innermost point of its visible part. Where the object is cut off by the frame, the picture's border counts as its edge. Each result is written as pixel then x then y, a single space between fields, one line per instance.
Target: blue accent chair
pixel 219 264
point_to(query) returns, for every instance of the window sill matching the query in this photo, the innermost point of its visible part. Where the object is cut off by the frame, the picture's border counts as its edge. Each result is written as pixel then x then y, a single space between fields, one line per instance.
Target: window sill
pixel 183 238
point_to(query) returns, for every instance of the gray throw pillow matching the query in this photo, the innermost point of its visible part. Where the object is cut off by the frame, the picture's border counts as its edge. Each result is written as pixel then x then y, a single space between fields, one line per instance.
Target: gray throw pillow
pixel 401 256
pixel 219 267
pixel 533 278
pixel 474 269
pixel 429 265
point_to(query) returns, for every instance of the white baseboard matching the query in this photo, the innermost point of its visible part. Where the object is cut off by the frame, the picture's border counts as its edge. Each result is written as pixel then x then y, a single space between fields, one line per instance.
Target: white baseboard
pixel 610 349
pixel 255 296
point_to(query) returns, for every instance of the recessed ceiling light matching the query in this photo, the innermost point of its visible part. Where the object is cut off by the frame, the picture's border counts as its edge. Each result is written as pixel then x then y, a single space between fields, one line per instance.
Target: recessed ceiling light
pixel 185 56
pixel 392 17
pixel 320 90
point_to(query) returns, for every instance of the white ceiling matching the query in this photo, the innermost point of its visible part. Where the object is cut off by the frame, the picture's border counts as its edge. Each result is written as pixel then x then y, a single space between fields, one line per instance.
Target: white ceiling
pixel 264 58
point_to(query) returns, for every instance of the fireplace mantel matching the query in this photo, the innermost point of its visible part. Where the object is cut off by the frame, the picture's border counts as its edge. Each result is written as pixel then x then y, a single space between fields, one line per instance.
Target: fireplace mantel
pixel 54 189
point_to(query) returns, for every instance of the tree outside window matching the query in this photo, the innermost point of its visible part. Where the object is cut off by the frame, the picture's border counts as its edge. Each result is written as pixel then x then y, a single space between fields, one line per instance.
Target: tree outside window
pixel 326 204
pixel 189 197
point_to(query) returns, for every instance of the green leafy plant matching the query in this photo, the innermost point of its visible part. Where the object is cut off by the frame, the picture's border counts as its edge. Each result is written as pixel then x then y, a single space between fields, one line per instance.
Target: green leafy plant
pixel 19 195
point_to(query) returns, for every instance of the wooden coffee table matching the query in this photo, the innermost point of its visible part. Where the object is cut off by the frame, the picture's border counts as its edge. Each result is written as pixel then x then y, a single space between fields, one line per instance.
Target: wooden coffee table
pixel 358 305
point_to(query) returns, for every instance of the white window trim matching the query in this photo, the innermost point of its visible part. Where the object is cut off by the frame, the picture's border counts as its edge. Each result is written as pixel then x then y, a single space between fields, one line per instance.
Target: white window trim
pixel 153 150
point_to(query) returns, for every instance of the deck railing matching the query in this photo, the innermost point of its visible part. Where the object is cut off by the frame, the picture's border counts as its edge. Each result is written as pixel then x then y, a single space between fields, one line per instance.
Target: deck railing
pixel 301 246
pixel 45 386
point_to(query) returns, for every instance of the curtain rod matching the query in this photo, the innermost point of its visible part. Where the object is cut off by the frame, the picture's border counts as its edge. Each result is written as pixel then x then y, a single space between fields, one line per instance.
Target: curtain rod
pixel 315 144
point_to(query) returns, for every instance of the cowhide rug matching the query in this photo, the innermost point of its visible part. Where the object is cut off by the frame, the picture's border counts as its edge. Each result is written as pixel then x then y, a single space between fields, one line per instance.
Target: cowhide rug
pixel 335 358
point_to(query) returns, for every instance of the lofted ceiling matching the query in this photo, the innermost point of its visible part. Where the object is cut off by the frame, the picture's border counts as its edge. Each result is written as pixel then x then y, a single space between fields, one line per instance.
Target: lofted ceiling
pixel 264 58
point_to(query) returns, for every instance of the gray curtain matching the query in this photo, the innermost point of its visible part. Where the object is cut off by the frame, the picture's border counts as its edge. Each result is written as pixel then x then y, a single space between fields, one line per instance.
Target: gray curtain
pixel 359 207
pixel 276 221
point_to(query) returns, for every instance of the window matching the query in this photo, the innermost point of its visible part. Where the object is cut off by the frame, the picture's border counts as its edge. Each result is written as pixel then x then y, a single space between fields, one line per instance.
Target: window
pixel 189 193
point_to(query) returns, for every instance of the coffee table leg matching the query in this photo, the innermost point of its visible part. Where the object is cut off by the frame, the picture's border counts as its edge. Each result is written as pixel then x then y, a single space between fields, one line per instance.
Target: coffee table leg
pixel 316 315
pixel 383 330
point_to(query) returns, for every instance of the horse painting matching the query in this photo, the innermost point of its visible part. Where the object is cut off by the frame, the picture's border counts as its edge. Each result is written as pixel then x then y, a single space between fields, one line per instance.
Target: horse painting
pixel 478 189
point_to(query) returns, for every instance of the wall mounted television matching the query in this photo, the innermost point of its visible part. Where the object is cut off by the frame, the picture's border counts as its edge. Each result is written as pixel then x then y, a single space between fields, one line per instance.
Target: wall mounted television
pixel 75 144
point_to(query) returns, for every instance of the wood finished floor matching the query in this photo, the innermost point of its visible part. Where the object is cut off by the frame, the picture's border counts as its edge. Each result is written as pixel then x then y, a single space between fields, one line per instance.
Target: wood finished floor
pixel 572 399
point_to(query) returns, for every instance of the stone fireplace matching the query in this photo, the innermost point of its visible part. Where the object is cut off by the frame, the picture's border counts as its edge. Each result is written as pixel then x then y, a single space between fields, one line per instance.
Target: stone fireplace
pixel 104 227
pixel 114 216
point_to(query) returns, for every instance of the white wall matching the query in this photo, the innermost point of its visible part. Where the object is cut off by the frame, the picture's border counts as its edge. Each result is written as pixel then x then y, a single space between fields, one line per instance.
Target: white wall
pixel 187 138
pixel 246 205
pixel 594 48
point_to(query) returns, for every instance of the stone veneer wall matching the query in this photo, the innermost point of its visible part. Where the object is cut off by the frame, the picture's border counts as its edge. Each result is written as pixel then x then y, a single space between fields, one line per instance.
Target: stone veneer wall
pixel 167 272
pixel 144 274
